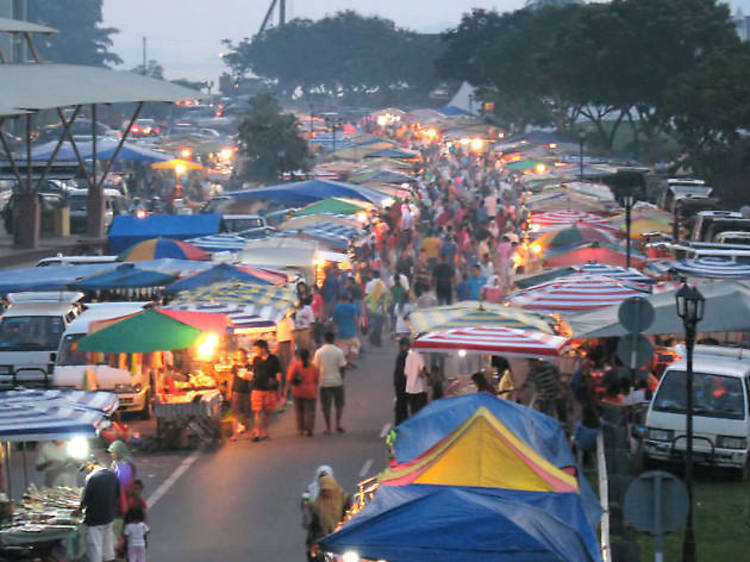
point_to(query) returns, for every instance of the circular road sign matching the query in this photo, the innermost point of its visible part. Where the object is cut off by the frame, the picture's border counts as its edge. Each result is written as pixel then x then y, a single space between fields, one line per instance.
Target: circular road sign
pixel 656 502
pixel 634 350
pixel 636 314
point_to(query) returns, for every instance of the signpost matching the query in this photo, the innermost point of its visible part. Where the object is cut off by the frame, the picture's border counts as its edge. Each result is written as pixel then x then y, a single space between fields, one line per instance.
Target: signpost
pixel 656 503
pixel 634 350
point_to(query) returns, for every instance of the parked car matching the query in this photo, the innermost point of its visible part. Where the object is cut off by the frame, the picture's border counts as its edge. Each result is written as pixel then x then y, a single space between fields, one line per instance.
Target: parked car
pixel 143 128
pixel 114 204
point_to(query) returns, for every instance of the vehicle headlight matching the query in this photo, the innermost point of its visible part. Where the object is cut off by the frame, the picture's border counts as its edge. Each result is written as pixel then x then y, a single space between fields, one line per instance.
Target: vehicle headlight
pixel 128 388
pixel 660 434
pixel 729 442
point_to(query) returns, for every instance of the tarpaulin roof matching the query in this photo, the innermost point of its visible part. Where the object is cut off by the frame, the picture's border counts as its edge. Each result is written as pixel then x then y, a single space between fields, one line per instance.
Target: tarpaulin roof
pixel 49 278
pixel 392 153
pixel 484 452
pixel 610 255
pixel 727 309
pixel 715 267
pixel 223 242
pixel 615 272
pixel 304 192
pixel 105 149
pixel 572 235
pixel 565 217
pixel 336 205
pixel 470 313
pixel 240 316
pixel 43 415
pixel 158 248
pixel 493 340
pixel 125 276
pixel 219 273
pixel 127 230
pixel 420 523
pixel 12 25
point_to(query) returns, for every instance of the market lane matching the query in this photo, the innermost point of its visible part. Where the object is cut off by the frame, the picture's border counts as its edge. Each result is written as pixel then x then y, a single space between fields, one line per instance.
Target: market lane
pixel 242 502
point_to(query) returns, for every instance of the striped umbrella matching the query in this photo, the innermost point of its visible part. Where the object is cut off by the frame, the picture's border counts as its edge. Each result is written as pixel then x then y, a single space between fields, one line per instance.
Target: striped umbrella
pixel 41 415
pixel 219 243
pixel 614 271
pixel 564 217
pixel 266 301
pixel 156 248
pixel 715 267
pixel 241 317
pixel 493 340
pixel 470 313
pixel 579 255
pixel 575 292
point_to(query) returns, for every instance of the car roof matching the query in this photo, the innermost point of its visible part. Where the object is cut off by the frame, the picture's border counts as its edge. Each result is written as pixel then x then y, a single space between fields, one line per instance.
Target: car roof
pixel 81 191
pixel 241 216
pixel 713 364
pixel 39 308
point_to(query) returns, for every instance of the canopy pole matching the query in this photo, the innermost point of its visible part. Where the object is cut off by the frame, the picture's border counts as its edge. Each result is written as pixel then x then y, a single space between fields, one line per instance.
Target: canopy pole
pixel 25 466
pixel 95 203
pixel 32 47
pixel 74 146
pixel 9 153
pixel 28 153
pixel 8 469
pixel 66 127
pixel 3 60
pixel 110 162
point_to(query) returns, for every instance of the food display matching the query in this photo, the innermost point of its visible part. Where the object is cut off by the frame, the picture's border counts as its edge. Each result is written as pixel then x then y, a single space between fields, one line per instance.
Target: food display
pixel 195 381
pixel 44 514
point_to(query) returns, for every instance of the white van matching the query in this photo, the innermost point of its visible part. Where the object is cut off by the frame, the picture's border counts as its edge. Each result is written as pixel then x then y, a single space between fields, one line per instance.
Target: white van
pixel 721 410
pixel 59 259
pixel 30 332
pixel 112 372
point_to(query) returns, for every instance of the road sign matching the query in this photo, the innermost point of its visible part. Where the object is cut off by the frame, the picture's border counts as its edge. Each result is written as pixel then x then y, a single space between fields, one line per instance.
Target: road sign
pixel 636 314
pixel 634 350
pixel 656 503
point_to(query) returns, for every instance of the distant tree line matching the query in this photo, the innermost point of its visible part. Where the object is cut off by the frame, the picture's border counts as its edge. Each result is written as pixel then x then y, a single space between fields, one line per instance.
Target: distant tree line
pixel 349 57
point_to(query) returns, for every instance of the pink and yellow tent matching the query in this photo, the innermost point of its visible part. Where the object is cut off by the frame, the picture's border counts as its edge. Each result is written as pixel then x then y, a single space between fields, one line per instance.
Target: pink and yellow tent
pixel 482 452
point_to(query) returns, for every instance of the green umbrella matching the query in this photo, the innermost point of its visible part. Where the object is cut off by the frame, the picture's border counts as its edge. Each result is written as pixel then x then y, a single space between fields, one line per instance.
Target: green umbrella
pixel 543 277
pixel 522 165
pixel 142 333
pixel 331 205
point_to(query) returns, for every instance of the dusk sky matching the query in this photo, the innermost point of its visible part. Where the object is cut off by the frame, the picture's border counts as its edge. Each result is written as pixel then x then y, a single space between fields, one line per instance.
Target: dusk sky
pixel 185 35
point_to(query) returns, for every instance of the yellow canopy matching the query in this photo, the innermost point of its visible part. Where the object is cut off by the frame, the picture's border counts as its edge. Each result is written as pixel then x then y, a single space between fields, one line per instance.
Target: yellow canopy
pixel 483 452
pixel 176 164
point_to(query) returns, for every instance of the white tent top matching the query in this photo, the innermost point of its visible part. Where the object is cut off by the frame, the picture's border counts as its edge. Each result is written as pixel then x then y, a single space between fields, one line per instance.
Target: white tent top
pixel 8 25
pixel 47 85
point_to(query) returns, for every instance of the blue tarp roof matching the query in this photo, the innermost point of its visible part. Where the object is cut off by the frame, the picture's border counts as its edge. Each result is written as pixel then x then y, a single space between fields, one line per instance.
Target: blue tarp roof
pixel 50 278
pixel 418 523
pixel 127 230
pixel 453 111
pixel 390 153
pixel 125 276
pixel 217 274
pixel 219 242
pixel 304 192
pixel 441 417
pixel 105 149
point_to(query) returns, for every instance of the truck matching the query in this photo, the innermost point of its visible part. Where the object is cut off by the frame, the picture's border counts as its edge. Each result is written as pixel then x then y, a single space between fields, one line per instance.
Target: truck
pixel 120 373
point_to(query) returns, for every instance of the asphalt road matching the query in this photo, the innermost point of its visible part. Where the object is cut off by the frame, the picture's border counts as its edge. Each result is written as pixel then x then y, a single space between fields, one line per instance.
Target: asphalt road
pixel 242 502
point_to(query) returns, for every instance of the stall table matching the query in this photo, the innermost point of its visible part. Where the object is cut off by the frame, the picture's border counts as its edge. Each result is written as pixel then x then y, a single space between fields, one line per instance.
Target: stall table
pixel 196 410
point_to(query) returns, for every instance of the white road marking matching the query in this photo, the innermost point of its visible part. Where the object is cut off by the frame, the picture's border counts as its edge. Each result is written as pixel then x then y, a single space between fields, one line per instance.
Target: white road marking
pixel 169 482
pixel 365 468
pixel 385 430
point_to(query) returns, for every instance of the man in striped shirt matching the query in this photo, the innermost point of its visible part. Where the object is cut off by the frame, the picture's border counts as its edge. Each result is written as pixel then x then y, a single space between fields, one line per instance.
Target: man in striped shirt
pixel 543 376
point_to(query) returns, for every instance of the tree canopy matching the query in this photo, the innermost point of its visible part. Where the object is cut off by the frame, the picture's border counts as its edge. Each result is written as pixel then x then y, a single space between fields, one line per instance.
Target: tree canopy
pixel 345 55
pixel 80 40
pixel 269 140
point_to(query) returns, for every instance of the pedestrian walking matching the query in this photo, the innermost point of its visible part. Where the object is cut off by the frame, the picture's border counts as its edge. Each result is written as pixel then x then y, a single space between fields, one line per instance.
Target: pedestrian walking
pixel 346 320
pixel 135 533
pixel 266 382
pixel 375 299
pixel 543 377
pixel 304 378
pixel 324 504
pixel 285 352
pixel 304 318
pixel 401 407
pixel 241 389
pixel 443 274
pixel 331 362
pixel 99 503
pixel 416 381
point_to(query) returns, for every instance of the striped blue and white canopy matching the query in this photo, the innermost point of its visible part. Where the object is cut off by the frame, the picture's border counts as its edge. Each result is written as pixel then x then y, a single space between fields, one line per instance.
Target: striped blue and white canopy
pixel 43 415
pixel 614 271
pixel 242 317
pixel 715 267
pixel 219 243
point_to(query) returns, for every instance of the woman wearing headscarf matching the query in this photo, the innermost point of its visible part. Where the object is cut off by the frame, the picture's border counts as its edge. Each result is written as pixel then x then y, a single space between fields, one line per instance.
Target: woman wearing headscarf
pixel 124 468
pixel 324 505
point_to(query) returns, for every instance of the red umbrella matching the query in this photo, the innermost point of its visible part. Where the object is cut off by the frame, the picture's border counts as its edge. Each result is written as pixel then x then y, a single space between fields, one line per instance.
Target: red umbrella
pixel 494 340
pixel 587 253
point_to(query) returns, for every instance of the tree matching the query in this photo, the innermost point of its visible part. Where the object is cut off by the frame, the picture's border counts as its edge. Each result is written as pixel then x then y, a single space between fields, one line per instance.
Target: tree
pixel 80 39
pixel 270 142
pixel 345 55
pixel 153 70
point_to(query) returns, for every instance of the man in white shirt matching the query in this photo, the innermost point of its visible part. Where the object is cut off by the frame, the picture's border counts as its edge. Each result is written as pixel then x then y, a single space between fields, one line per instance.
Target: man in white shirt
pixel 330 361
pixel 304 318
pixel 416 381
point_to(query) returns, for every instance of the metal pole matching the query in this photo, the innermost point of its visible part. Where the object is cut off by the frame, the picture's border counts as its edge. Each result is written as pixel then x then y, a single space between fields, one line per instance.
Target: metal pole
pixel 282 12
pixel 580 157
pixel 688 540
pixel 28 153
pixel 628 207
pixel 144 55
pixel 93 144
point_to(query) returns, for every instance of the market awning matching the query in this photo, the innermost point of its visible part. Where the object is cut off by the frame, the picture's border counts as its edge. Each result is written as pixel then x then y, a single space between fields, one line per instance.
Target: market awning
pixel 219 273
pixel 43 415
pixel 158 248
pixel 105 149
pixel 574 235
pixel 125 276
pixel 336 205
pixel 470 313
pixel 493 340
pixel 241 318
pixel 609 255
pixel 305 192
pixel 564 217
pixel 717 268
pixel 426 523
pixel 127 230
pixel 50 278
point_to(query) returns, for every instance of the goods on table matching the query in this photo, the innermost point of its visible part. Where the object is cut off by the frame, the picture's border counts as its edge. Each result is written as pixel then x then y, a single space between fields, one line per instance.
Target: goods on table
pixel 43 512
pixel 195 381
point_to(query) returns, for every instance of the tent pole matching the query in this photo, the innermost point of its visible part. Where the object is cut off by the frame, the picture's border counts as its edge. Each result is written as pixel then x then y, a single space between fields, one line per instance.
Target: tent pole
pixel 66 127
pixel 25 467
pixel 108 165
pixel 74 146
pixel 8 469
pixel 9 154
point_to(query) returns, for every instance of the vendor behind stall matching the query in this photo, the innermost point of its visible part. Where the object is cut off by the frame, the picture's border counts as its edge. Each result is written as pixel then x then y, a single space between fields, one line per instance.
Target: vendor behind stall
pixel 60 469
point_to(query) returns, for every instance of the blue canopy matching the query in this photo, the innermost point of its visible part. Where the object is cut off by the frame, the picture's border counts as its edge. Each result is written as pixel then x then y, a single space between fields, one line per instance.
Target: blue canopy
pixel 128 230
pixel 390 153
pixel 455 111
pixel 441 417
pixel 42 415
pixel 217 274
pixel 418 523
pixel 224 242
pixel 715 267
pixel 305 192
pixel 50 278
pixel 125 276
pixel 105 149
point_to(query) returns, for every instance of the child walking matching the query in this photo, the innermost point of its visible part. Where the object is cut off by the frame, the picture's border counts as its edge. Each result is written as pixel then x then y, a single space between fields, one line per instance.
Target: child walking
pixel 135 533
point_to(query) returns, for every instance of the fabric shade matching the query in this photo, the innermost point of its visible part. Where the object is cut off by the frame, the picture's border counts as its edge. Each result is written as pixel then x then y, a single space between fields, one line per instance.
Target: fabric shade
pixel 158 248
pixel 565 217
pixel 305 192
pixel 125 276
pixel 336 205
pixel 217 274
pixel 715 267
pixel 575 235
pixel 470 313
pixel 593 252
pixel 493 340
pixel 219 243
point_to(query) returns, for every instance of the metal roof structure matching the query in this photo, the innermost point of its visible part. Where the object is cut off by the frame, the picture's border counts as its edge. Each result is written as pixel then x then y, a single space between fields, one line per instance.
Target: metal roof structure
pixel 49 85
pixel 8 25
pixel 10 112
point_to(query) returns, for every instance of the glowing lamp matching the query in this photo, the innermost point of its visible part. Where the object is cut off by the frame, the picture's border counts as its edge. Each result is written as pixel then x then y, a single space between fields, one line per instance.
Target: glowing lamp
pixel 477 144
pixel 226 153
pixel 387 202
pixel 540 168
pixel 536 249
pixel 207 346
pixel 141 214
pixel 350 556
pixel 362 217
pixel 432 133
pixel 78 447
pixel 180 169
pixel 382 120
pixel 186 153
pixel 462 353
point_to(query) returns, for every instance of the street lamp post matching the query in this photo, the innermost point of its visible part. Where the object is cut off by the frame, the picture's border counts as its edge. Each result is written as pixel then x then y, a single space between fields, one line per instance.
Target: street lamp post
pixel 628 202
pixel 333 124
pixel 581 138
pixel 690 304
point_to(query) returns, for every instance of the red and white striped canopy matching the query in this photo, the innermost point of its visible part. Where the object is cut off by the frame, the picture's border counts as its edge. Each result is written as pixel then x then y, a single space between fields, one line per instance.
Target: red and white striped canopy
pixel 495 340
pixel 574 292
pixel 565 217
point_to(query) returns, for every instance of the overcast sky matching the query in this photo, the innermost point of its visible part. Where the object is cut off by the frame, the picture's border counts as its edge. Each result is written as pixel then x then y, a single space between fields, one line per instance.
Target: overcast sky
pixel 185 35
